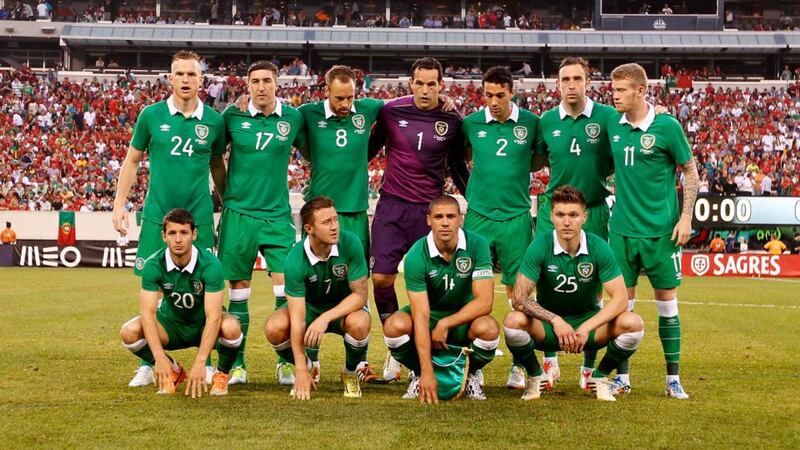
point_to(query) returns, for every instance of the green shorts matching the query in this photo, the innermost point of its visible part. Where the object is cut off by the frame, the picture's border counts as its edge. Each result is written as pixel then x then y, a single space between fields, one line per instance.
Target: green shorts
pixel 241 237
pixel 508 240
pixel 358 224
pixel 550 342
pixel 458 336
pixel 150 241
pixel 312 312
pixel 180 334
pixel 597 217
pixel 659 257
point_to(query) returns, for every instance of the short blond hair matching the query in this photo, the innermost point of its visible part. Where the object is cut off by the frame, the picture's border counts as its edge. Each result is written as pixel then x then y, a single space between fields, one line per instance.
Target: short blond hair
pixel 185 55
pixel 631 71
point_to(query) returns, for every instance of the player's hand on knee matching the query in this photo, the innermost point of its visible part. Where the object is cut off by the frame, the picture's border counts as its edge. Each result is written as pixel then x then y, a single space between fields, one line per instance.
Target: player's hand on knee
pixel 439 336
pixel 581 338
pixel 303 383
pixel 428 389
pixel 196 383
pixel 242 102
pixel 315 331
pixel 565 334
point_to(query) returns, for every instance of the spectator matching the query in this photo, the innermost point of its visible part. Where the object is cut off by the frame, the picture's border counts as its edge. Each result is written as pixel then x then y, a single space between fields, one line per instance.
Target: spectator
pixel 43 10
pixel 796 244
pixel 730 243
pixel 717 244
pixel 786 75
pixel 8 236
pixel 775 246
pixel 99 63
pixel 526 70
pixel 666 9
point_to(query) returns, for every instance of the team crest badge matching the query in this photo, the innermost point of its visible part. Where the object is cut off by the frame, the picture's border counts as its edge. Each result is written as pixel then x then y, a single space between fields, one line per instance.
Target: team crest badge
pixel 464 264
pixel 197 286
pixel 201 131
pixel 339 270
pixel 592 130
pixel 371 262
pixel 359 121
pixel 284 128
pixel 520 133
pixel 585 270
pixel 441 128
pixel 647 141
pixel 139 263
pixel 700 265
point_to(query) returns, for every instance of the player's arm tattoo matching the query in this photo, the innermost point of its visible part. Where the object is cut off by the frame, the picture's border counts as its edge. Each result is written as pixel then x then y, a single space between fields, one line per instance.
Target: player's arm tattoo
pixel 525 300
pixel 359 287
pixel 691 184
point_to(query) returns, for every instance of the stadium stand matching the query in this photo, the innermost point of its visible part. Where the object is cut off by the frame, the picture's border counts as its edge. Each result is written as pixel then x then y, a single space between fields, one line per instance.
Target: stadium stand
pixel 63 142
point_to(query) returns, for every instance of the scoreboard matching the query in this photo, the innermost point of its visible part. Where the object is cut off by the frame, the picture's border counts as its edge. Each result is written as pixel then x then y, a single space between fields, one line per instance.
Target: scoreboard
pixel 743 212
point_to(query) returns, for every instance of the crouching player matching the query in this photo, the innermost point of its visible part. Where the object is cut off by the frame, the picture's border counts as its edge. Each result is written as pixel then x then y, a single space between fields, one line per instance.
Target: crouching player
pixel 326 291
pixel 190 314
pixel 450 286
pixel 564 268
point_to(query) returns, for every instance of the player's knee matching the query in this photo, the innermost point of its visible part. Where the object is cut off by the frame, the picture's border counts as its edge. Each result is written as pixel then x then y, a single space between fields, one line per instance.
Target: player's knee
pixel 397 325
pixel 485 328
pixel 382 281
pixel 230 328
pixel 516 320
pixel 629 322
pixel 358 324
pixel 130 331
pixel 277 328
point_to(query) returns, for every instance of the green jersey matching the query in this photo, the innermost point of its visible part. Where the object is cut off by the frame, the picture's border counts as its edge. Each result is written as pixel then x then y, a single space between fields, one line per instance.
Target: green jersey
pixel 325 283
pixel 257 184
pixel 179 150
pixel 567 285
pixel 448 284
pixel 645 162
pixel 501 153
pixel 578 149
pixel 337 149
pixel 184 288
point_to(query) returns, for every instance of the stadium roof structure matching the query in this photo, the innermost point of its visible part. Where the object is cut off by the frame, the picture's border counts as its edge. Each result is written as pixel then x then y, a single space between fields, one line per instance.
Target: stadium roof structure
pixel 517 41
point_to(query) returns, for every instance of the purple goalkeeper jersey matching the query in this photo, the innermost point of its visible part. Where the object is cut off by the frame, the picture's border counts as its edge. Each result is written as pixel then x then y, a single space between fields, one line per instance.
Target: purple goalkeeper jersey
pixel 420 145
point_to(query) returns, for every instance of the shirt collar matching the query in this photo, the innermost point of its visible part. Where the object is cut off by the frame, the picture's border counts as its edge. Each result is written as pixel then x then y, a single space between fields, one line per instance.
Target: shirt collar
pixel 329 112
pixel 253 111
pixel 189 267
pixel 645 124
pixel 198 112
pixel 434 252
pixel 514 117
pixel 312 258
pixel 587 109
pixel 557 249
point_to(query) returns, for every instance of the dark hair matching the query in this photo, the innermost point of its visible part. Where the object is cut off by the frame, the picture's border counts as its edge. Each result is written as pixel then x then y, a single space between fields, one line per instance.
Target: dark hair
pixel 314 205
pixel 499 75
pixel 568 194
pixel 8 224
pixel 575 61
pixel 427 63
pixel 179 216
pixel 443 199
pixel 262 65
pixel 341 73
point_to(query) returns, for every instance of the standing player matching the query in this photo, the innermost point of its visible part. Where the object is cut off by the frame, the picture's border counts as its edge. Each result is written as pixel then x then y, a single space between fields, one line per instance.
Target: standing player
pixel 420 140
pixel 326 290
pixel 573 140
pixel 647 227
pixel 450 286
pixel 257 216
pixel 565 267
pixel 190 315
pixel 183 138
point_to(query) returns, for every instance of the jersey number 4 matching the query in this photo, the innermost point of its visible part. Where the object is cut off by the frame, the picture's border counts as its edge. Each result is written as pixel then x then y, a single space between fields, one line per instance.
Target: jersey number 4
pixel 574 147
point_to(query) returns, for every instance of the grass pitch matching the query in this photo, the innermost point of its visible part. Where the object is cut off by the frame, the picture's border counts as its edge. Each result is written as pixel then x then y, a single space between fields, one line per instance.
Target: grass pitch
pixel 64 375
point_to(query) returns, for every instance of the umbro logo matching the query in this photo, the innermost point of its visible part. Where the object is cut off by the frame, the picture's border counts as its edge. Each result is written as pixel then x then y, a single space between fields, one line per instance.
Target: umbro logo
pixel 481 134
pixel 403 123
pixel 246 125
pixel 616 138
pixel 312 279
pixel 322 124
pixel 552 268
pixel 433 273
pixel 168 286
pixel 164 127
pixel 556 133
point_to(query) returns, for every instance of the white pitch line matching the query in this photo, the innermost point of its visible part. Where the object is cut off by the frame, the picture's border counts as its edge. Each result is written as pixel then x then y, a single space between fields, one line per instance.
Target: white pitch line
pixel 782 280
pixel 735 305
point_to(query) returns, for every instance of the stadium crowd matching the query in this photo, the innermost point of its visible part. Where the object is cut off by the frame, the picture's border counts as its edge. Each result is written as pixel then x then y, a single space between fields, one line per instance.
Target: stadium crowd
pixel 62 143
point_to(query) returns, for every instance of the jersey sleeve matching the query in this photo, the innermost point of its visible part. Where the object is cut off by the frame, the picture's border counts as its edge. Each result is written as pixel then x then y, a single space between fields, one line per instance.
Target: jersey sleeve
pixel 678 145
pixel 541 154
pixel 141 132
pixel 483 260
pixel 295 284
pixel 220 143
pixel 608 269
pixel 151 276
pixel 415 270
pixel 300 138
pixel 380 133
pixel 212 276
pixel 532 262
pixel 457 163
pixel 370 107
pixel 358 265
